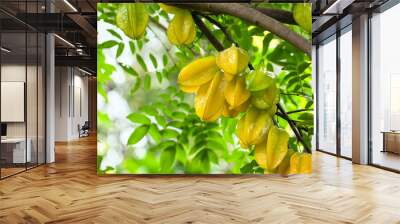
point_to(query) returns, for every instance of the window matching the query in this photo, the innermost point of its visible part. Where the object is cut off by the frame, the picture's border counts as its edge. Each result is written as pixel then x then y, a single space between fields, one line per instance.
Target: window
pixel 327 96
pixel 346 93
pixel 385 89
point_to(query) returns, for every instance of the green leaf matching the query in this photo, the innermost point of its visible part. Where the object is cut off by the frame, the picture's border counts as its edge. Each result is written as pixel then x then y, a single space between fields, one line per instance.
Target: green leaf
pixel 179 115
pixel 107 44
pixel 212 156
pixel 155 133
pixel 138 134
pixel 115 34
pixel 309 104
pixel 138 118
pixel 132 46
pixel 249 167
pixel 167 158
pixel 120 49
pixel 302 67
pixel 136 86
pixel 306 116
pixel 166 144
pixel 153 60
pixel 267 40
pixel 147 82
pixel 169 133
pixel 140 44
pixel 129 70
pixel 176 124
pixel 161 121
pixel 165 60
pixel 149 110
pixel 159 76
pixel 181 154
pixel 141 62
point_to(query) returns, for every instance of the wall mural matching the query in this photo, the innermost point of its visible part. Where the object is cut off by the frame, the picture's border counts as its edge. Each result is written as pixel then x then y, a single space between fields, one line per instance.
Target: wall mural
pixel 204 88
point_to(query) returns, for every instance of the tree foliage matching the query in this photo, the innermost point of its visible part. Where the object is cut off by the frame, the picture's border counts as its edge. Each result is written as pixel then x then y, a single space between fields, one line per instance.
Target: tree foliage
pixel 160 131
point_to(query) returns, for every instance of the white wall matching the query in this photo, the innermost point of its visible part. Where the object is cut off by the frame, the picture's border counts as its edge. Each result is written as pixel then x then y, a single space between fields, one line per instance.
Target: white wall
pixel 71 102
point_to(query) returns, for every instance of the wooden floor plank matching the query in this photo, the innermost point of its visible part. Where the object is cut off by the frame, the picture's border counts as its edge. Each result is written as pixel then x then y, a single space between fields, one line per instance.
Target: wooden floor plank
pixel 69 191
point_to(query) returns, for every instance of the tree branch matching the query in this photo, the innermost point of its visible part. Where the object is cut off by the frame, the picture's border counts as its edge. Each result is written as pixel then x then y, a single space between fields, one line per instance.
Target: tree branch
pixel 220 47
pixel 211 37
pixel 282 16
pixel 293 126
pixel 300 110
pixel 216 23
pixel 255 17
pixel 207 32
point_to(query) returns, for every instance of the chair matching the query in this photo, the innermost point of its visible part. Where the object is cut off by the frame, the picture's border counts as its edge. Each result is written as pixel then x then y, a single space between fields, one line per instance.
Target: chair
pixel 84 130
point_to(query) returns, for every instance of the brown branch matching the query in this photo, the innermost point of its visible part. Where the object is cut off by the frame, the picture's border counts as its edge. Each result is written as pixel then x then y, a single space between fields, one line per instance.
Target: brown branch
pixel 282 16
pixel 211 37
pixel 216 23
pixel 207 32
pixel 293 126
pixel 298 111
pixel 220 47
pixel 255 17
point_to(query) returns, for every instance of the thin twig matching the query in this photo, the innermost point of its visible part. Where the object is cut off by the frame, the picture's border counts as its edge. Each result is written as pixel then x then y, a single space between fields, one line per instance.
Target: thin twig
pixel 298 111
pixel 207 32
pixel 293 126
pixel 216 23
pixel 162 43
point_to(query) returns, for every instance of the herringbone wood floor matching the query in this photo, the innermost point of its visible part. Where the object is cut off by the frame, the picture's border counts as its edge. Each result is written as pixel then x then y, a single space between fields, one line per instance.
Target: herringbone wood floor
pixel 69 191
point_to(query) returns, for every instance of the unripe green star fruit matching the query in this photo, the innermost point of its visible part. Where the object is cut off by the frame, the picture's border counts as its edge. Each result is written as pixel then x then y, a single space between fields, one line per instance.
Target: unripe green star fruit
pixel 232 61
pixel 197 73
pixel 132 19
pixel 258 80
pixel 277 147
pixel 253 127
pixel 182 29
pixel 302 15
pixel 170 9
pixel 265 99
pixel 209 101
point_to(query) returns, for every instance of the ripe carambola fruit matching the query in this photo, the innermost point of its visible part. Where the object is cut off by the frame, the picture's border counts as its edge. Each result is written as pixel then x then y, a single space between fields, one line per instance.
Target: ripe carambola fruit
pixel 302 15
pixel 236 93
pixel 232 61
pixel 260 154
pixel 275 146
pixel 265 99
pixel 197 73
pixel 132 19
pixel 209 101
pixel 253 127
pixel 182 29
pixel 228 111
pixel 284 167
pixel 300 163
